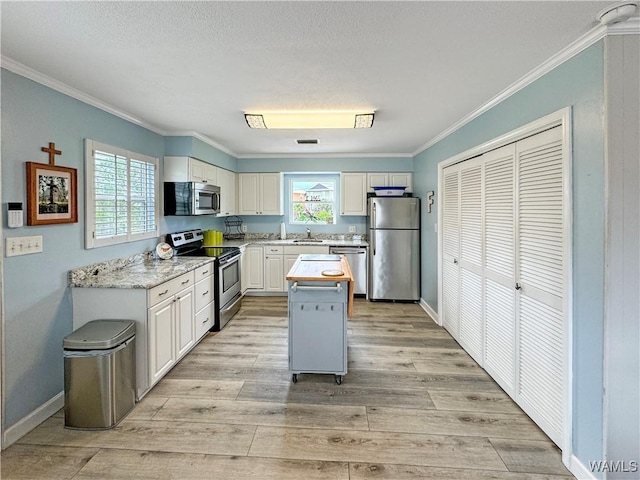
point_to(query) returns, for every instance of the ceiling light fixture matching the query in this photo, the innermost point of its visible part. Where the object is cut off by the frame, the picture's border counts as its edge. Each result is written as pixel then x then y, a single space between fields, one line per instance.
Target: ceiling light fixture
pixel 309 120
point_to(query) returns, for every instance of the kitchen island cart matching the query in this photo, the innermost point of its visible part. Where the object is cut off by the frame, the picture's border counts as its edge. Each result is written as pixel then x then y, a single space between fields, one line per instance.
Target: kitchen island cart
pixel 320 291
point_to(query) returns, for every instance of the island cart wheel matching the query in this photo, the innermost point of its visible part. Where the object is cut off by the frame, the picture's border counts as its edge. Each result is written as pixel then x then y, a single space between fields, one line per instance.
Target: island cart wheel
pixel 294 378
pixel 339 379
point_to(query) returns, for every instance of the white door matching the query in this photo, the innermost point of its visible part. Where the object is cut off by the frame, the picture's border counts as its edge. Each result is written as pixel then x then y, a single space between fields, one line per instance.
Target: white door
pixel 248 194
pixel 541 280
pixel 451 250
pixel 161 339
pixel 271 192
pixel 499 266
pixel 470 259
pixel 184 322
pixel 273 273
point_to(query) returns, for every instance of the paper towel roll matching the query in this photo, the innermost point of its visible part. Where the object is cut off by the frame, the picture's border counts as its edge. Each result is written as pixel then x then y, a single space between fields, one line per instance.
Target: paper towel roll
pixel 283 231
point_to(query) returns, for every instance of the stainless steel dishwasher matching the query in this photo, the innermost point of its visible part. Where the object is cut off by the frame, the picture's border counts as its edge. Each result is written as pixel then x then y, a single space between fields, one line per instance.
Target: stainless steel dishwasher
pixel 357 258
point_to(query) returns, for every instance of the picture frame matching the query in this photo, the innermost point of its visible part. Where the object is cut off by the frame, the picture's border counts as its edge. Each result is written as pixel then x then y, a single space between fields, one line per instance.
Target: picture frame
pixel 52 194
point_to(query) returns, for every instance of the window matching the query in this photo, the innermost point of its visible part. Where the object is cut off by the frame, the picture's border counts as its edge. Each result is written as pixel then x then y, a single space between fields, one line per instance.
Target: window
pixel 121 195
pixel 312 200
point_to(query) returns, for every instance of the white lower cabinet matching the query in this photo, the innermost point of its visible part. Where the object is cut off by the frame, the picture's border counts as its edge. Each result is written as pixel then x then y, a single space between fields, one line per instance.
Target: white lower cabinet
pixel 273 269
pixel 171 325
pixel 170 318
pixel 254 268
pixel 264 267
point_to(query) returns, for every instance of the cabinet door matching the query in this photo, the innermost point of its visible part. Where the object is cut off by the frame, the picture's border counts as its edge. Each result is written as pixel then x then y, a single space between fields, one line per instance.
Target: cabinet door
pixel 210 174
pixel 273 273
pixel 227 183
pixel 271 192
pixel 289 260
pixel 184 322
pixel 255 267
pixel 248 194
pixel 377 180
pixel 401 180
pixel 244 267
pixel 196 170
pixel 353 194
pixel 161 340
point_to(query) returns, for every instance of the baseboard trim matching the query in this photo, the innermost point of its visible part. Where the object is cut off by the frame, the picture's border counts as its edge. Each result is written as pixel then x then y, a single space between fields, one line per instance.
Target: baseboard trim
pixel 430 311
pixel 579 470
pixel 26 424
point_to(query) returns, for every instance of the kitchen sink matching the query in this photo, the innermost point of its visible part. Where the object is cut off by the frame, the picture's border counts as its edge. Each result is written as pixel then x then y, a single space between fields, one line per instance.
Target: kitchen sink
pixel 308 240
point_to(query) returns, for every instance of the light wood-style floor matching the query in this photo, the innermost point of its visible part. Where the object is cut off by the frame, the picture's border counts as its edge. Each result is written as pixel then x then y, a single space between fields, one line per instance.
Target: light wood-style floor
pixel 413 405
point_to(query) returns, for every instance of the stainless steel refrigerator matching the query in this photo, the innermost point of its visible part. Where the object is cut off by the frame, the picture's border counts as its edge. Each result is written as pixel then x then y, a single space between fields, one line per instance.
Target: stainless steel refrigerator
pixel 394 248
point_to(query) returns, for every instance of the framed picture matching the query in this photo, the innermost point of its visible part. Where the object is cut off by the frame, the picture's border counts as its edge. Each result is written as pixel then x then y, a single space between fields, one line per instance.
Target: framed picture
pixel 52 194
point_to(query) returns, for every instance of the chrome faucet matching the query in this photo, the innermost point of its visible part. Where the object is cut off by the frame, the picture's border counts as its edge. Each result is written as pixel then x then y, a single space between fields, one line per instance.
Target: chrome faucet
pixel 308 233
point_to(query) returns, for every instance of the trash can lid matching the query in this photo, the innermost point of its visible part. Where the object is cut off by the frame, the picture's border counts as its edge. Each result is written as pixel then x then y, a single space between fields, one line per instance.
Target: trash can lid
pixel 100 334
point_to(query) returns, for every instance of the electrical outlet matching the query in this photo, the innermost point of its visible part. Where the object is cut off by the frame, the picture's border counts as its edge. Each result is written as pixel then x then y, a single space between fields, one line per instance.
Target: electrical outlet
pixel 244 228
pixel 23 245
pixel 352 229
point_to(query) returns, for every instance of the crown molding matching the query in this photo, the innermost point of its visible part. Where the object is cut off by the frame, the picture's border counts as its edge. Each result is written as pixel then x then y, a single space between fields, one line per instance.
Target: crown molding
pixel 325 155
pixel 631 26
pixel 24 71
pixel 204 139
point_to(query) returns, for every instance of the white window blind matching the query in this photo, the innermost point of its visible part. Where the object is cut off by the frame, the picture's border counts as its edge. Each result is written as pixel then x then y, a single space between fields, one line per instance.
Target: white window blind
pixel 122 195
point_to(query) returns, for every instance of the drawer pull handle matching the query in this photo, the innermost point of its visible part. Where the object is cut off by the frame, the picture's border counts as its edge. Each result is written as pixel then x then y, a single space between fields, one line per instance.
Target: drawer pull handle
pixel 206 272
pixel 316 307
pixel 205 320
pixel 205 293
pixel 185 282
pixel 163 293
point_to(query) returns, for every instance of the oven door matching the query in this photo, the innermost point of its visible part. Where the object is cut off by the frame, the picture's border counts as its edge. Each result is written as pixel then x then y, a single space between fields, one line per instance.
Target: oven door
pixel 229 289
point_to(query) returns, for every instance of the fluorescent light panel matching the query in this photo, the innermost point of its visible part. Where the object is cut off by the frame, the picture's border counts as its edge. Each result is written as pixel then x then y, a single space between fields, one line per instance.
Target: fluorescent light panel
pixel 309 120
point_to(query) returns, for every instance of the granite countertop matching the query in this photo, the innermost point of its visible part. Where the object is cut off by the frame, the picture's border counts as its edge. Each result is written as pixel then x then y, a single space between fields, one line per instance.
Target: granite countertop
pixel 140 271
pixel 325 242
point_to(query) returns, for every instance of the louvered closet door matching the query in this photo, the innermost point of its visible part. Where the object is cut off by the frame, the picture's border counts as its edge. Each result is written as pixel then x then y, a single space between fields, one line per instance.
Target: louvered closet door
pixel 470 260
pixel 451 249
pixel 541 276
pixel 499 266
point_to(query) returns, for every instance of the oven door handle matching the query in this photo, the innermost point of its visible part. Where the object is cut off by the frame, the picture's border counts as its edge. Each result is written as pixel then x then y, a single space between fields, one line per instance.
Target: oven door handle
pixel 238 297
pixel 230 260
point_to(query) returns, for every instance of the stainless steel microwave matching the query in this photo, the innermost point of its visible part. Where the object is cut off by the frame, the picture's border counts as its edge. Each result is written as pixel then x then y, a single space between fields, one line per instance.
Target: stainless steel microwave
pixel 191 198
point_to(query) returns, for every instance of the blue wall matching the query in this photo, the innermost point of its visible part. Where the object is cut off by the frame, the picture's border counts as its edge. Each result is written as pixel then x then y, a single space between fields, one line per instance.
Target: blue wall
pixel 37 302
pixel 578 83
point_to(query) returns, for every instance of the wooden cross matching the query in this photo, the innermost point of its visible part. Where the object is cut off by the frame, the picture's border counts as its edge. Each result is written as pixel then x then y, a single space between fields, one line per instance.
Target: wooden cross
pixel 52 152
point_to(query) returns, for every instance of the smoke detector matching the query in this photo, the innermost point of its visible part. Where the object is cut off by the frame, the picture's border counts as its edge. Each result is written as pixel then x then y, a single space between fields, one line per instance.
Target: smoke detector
pixel 617 13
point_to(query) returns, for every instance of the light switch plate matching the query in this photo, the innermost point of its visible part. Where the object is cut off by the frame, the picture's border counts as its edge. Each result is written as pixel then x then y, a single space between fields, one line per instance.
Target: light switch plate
pixel 23 245
pixel 352 229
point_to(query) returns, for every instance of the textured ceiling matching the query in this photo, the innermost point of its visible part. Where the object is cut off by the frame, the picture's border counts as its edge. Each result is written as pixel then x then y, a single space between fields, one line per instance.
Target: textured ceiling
pixel 197 66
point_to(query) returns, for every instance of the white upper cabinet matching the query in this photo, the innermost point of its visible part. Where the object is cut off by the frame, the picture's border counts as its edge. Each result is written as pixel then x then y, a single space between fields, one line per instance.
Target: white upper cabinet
pixel 391 179
pixel 189 169
pixel 260 194
pixel 227 184
pixel 353 193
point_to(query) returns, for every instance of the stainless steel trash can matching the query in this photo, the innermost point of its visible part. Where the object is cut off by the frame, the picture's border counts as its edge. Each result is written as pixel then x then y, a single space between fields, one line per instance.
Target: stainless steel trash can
pixel 99 374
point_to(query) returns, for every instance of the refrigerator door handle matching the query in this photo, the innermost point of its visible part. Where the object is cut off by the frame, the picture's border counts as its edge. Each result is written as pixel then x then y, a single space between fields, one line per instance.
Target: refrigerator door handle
pixel 373 214
pixel 373 241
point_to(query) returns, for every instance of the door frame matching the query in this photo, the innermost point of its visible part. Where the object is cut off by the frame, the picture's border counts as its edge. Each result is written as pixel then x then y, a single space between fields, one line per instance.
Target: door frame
pixel 561 118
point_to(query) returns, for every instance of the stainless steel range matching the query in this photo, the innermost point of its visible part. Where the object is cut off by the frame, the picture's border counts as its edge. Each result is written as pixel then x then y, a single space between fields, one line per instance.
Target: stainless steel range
pixel 228 298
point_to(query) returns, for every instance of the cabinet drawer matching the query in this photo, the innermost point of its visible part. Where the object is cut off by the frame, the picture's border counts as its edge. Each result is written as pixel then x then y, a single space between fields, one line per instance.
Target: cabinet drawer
pixel 204 292
pixel 203 271
pixel 204 321
pixel 273 249
pixel 298 249
pixel 170 288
